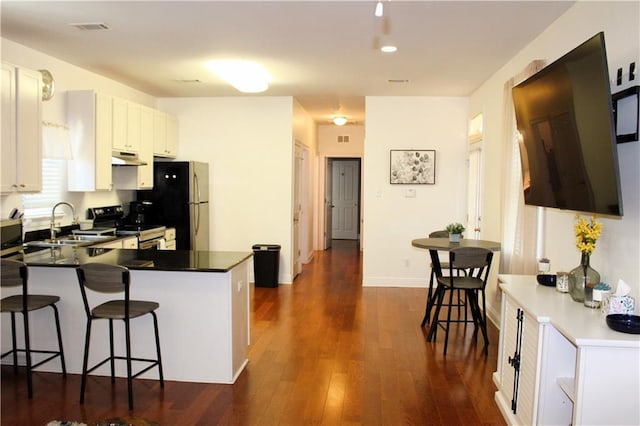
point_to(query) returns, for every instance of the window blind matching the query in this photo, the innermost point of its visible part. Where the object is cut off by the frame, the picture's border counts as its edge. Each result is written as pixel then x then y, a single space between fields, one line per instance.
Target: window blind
pixel 54 178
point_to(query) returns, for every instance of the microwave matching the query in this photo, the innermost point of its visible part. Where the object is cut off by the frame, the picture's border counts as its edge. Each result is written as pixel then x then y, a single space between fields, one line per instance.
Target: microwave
pixel 11 236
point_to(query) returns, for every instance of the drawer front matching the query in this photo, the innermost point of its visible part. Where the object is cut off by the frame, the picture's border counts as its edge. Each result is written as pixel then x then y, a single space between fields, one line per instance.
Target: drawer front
pixel 170 234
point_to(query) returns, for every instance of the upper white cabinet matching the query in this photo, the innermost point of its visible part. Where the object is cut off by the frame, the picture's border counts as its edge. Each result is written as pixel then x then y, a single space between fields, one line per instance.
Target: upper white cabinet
pixel 139 177
pixel 90 116
pixel 126 125
pixel 21 130
pixel 165 142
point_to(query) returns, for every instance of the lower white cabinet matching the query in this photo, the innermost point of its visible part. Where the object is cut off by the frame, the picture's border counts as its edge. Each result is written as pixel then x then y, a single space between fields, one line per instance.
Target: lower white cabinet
pixel 559 363
pixel 130 243
pixel 115 244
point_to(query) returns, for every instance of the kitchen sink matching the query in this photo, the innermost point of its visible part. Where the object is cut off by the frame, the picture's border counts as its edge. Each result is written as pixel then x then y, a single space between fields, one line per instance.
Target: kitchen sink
pixel 70 241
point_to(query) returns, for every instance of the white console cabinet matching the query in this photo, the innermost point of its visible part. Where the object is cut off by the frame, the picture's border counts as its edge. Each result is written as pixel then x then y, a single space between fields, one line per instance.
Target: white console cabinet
pixel 559 363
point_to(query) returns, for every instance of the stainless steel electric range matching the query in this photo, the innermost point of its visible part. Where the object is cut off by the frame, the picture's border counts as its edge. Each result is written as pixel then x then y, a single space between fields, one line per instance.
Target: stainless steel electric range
pixel 110 220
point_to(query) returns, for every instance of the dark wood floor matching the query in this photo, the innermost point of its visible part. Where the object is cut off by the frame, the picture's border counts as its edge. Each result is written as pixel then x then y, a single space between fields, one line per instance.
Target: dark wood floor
pixel 324 351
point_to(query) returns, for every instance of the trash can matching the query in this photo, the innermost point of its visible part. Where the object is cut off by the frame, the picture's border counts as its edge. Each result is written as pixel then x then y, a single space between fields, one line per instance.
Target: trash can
pixel 266 262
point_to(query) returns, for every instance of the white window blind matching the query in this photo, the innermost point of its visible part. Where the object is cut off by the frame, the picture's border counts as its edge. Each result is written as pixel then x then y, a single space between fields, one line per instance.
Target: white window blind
pixel 54 183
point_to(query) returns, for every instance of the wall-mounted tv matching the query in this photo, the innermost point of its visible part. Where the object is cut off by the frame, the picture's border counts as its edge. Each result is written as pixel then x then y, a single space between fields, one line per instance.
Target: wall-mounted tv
pixel 567 138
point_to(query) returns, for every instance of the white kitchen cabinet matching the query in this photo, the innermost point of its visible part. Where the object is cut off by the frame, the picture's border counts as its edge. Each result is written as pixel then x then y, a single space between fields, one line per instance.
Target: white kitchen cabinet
pixel 90 117
pixel 573 369
pixel 166 135
pixel 114 244
pixel 139 177
pixel 170 239
pixel 130 243
pixel 119 125
pixel 126 126
pixel 21 130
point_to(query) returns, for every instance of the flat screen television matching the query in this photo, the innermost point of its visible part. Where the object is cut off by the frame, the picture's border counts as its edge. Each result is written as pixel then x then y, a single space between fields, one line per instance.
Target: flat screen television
pixel 568 146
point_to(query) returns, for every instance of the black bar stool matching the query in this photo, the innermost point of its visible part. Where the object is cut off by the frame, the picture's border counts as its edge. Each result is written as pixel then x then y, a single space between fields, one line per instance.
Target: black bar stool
pixel 15 273
pixel 477 262
pixel 444 266
pixel 104 278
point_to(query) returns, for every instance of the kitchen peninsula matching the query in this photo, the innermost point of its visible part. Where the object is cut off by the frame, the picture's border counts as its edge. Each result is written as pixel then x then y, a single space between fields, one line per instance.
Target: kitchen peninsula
pixel 203 316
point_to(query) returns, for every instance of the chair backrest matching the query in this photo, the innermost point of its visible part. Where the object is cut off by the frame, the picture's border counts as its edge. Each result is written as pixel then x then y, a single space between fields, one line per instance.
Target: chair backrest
pixel 14 273
pixel 439 234
pixel 476 260
pixel 103 278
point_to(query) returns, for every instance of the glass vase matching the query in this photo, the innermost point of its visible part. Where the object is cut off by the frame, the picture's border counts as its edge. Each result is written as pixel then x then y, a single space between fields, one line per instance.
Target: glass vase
pixel 582 279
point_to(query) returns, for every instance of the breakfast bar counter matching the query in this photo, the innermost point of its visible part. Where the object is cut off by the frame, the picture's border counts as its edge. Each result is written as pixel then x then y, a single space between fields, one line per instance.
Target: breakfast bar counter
pixel 203 316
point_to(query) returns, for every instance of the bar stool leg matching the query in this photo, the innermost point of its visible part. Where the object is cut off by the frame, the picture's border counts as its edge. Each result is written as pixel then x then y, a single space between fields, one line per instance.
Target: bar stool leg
pixel 112 358
pixel 430 296
pixel 446 335
pixel 62 361
pixel 155 326
pixel 27 350
pixel 83 382
pixel 129 379
pixel 14 343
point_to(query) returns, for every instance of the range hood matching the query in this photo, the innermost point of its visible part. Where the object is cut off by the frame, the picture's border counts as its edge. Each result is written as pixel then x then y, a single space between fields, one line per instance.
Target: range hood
pixel 126 159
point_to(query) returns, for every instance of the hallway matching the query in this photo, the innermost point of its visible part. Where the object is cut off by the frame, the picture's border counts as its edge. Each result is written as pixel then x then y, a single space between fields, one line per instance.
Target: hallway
pixel 323 351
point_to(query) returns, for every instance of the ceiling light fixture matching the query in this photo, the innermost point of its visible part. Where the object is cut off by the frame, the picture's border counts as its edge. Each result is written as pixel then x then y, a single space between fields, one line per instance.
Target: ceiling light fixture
pixel 379 9
pixel 388 48
pixel 340 120
pixel 246 76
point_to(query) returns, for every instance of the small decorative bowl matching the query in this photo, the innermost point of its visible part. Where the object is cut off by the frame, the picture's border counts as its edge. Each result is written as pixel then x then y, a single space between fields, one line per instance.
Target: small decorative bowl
pixel 624 323
pixel 547 280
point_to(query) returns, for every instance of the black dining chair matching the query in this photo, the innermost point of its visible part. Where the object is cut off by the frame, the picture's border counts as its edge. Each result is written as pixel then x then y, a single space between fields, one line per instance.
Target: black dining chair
pixel 105 278
pixel 15 273
pixel 444 266
pixel 477 262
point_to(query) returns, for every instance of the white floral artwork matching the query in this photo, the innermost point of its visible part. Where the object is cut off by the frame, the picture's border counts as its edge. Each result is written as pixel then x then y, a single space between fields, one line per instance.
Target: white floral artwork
pixel 413 167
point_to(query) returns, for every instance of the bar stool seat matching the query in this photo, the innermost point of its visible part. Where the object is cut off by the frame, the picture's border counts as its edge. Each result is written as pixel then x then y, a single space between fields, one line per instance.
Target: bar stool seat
pixel 15 273
pixel 105 278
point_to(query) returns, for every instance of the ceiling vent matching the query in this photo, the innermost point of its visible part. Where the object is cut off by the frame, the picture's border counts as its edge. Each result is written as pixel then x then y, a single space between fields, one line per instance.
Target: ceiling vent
pixel 91 26
pixel 343 139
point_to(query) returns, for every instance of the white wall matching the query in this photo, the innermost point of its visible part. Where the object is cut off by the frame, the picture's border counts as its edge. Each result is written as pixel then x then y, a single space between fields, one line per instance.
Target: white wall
pixel 248 143
pixel 618 252
pixel 391 219
pixel 68 77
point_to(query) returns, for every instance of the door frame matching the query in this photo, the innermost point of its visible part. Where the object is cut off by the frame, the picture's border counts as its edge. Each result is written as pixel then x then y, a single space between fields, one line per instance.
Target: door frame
pixel 326 170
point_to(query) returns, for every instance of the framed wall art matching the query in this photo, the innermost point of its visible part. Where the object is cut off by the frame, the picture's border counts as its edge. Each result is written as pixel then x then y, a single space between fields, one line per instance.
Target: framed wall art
pixel 417 167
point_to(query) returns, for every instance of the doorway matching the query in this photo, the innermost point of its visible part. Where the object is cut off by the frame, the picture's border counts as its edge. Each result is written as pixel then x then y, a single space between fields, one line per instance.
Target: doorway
pixel 342 199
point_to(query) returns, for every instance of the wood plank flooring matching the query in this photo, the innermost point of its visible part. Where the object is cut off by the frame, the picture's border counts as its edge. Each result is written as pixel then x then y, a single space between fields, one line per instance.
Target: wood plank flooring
pixel 324 351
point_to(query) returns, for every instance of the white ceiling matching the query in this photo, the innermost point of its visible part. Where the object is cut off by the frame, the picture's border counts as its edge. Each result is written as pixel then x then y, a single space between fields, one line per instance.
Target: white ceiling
pixel 324 53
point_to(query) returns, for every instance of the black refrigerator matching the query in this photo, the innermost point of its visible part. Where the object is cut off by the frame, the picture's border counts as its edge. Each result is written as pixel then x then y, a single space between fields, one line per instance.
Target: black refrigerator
pixel 180 198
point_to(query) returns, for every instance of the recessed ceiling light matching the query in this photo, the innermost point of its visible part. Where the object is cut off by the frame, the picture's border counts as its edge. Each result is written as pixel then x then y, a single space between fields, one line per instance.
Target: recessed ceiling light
pixel 246 76
pixel 388 48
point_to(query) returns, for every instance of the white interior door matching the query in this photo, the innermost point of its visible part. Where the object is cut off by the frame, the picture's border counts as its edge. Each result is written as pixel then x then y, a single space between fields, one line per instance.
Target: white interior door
pixel 297 263
pixel 328 202
pixel 473 193
pixel 346 199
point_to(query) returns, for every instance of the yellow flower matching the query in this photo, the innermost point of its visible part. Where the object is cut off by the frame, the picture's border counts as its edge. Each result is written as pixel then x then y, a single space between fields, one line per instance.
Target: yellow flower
pixel 587 233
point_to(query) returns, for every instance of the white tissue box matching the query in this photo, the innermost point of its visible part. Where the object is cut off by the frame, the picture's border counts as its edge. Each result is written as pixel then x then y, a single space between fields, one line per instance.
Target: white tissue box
pixel 618 305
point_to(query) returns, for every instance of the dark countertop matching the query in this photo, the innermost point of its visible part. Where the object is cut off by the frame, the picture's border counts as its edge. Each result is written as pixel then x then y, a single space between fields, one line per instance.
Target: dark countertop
pixel 152 260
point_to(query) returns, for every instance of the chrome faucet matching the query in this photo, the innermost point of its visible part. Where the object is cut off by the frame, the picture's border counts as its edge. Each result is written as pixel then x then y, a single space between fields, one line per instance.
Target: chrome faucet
pixel 53 218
